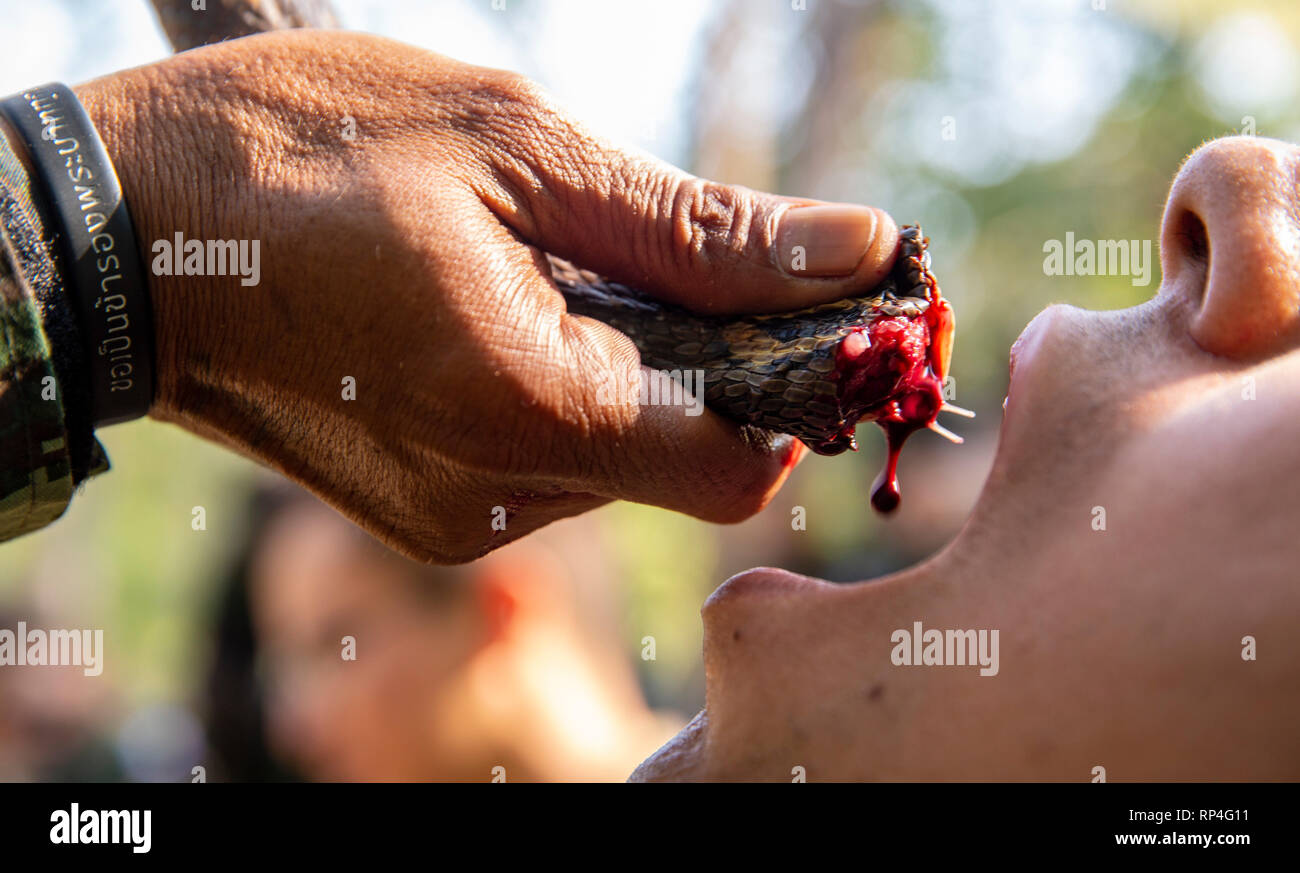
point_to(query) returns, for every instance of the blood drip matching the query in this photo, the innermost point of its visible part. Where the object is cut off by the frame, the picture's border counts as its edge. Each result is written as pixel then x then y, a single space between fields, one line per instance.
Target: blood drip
pixel 885 495
pixel 915 412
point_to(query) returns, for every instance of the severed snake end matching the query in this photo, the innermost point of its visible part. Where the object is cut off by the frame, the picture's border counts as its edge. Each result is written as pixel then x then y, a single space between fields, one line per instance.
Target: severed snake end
pixel 815 373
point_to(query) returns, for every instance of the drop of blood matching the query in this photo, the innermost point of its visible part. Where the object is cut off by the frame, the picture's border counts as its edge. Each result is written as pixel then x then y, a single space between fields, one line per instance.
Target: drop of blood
pixel 885 498
pixel 885 495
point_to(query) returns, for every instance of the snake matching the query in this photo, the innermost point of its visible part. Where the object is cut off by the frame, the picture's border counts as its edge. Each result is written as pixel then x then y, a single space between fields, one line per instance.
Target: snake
pixel 814 373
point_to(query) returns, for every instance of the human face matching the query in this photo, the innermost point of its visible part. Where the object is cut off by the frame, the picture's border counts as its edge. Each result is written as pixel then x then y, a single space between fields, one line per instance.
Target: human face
pixel 381 712
pixel 1135 547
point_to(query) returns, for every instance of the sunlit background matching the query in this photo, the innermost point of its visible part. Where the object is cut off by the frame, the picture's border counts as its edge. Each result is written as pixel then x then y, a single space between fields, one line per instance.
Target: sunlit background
pixel 998 126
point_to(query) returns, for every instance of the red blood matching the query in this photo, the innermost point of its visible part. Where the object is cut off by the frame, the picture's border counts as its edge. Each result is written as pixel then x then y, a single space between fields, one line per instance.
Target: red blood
pixel 916 410
pixel 887 375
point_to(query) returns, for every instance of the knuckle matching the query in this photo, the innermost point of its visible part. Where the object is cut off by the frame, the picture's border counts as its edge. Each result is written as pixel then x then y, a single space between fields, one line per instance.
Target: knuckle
pixel 502 110
pixel 520 90
pixel 506 89
pixel 540 158
pixel 711 223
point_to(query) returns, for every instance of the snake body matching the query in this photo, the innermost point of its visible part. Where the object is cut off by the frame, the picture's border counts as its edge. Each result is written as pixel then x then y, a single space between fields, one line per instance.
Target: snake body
pixel 789 372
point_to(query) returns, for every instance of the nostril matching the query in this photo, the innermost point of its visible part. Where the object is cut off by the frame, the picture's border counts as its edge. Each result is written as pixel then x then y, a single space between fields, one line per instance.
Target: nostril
pixel 1194 248
pixel 1195 240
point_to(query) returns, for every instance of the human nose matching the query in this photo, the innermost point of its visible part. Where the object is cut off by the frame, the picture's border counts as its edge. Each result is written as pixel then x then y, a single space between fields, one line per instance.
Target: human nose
pixel 1230 245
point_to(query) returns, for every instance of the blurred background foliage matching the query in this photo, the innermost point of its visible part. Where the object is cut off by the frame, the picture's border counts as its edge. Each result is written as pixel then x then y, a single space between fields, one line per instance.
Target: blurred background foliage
pixel 998 125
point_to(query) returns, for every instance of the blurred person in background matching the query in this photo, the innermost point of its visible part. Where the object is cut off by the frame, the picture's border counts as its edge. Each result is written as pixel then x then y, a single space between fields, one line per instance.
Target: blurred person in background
pixel 377 668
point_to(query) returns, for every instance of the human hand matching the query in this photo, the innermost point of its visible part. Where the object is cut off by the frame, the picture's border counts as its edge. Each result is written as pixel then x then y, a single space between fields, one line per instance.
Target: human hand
pixel 401 202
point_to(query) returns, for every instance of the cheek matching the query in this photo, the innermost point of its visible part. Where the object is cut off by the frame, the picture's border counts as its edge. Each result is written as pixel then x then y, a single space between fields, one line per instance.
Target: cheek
pixel 398 677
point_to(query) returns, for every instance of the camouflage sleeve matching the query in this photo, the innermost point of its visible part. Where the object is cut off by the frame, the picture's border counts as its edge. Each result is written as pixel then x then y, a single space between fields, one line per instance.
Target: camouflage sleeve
pixel 37 469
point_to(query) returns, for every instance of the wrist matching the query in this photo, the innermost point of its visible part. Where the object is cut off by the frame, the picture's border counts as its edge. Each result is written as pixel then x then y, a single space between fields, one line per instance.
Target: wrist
pixel 94 242
pixel 195 163
pixel 177 150
pixel 120 115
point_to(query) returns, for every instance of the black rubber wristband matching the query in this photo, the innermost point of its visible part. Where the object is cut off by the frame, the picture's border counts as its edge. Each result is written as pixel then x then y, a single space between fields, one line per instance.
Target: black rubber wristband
pixel 101 261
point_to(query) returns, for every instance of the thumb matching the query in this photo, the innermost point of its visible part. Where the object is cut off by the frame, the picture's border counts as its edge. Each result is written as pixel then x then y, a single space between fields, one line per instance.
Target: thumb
pixel 703 245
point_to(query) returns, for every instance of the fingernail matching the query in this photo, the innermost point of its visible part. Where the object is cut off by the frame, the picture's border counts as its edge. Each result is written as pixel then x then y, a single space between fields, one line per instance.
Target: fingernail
pixel 829 240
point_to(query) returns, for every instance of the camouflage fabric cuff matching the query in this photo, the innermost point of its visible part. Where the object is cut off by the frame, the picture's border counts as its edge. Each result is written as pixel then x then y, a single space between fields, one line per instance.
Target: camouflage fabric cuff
pixel 44 454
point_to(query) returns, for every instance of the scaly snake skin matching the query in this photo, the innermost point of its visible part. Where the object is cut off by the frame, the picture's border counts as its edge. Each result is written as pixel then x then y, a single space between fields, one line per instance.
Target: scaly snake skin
pixel 781 372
